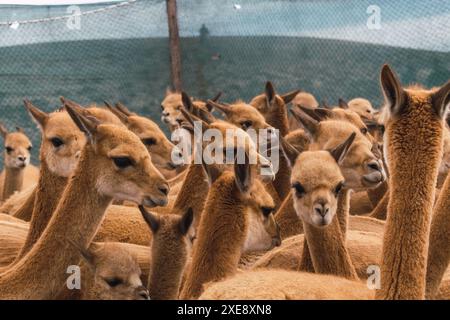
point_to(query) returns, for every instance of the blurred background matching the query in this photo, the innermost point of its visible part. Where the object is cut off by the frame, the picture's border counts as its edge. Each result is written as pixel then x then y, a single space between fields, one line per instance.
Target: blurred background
pixel 119 50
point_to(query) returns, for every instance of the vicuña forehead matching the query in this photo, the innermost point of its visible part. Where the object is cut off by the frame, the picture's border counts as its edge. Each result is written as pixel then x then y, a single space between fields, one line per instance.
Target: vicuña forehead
pixel 60 124
pixel 172 98
pixel 316 167
pixel 17 138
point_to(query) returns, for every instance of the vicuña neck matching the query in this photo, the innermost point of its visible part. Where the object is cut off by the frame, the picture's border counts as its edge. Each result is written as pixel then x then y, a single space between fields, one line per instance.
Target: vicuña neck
pixel 413 167
pixel 41 273
pixel 326 246
pixel 166 272
pixel 439 247
pixel 193 192
pixel 13 181
pixel 49 190
pixel 221 236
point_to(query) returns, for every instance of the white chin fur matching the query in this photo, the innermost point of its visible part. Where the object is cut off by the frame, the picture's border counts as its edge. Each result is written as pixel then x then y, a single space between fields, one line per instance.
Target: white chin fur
pixel 63 167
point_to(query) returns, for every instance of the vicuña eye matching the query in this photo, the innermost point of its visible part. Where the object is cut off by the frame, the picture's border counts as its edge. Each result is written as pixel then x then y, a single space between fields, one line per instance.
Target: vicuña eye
pixel 9 150
pixel 149 141
pixel 266 211
pixel 113 282
pixel 246 124
pixel 363 130
pixel 56 142
pixel 29 148
pixel 339 188
pixel 122 162
pixel 299 190
pixel 162 107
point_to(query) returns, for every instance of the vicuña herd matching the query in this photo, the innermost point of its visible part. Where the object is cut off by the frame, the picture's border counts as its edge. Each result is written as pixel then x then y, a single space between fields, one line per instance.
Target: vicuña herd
pixel 356 207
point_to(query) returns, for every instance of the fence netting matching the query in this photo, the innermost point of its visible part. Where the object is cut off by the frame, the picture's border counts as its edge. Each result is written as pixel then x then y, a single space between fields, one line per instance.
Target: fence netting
pixel 119 51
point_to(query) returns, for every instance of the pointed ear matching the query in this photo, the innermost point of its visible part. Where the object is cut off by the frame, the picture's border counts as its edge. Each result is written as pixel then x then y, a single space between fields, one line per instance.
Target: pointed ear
pixel 289 151
pixel 217 96
pixel 311 125
pixel 191 119
pixel 342 104
pixel 341 150
pixel 39 116
pixel 85 124
pixel 187 102
pixel 151 219
pixel 85 253
pixel 270 92
pixel 225 108
pixel 212 171
pixel 318 116
pixel 122 117
pixel 393 92
pixel 73 104
pixel 288 97
pixel 3 131
pixel 206 116
pixel 186 221
pixel 124 109
pixel 242 174
pixel 441 100
pixel 20 129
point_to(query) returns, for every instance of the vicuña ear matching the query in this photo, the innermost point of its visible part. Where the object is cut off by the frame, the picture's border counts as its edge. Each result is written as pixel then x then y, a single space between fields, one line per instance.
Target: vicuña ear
pixel 393 92
pixel 187 102
pixel 214 99
pixel 270 92
pixel 124 109
pixel 289 151
pixel 320 115
pixel 3 131
pixel 71 103
pixel 225 108
pixel 243 174
pixel 122 117
pixel 325 104
pixel 88 125
pixel 342 104
pixel 85 253
pixel 206 116
pixel 151 219
pixel 311 125
pixel 441 100
pixel 288 97
pixel 191 119
pixel 186 221
pixel 341 150
pixel 39 116
pixel 212 171
pixel 20 129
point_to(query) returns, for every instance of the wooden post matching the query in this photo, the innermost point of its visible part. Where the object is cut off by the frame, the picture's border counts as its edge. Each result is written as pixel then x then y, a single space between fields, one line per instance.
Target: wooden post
pixel 174 45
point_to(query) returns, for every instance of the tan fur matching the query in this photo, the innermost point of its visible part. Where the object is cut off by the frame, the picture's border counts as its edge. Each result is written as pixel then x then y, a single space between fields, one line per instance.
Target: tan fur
pixel 362 106
pixel 286 285
pixel 305 99
pixel 439 247
pixel 17 200
pixel 41 273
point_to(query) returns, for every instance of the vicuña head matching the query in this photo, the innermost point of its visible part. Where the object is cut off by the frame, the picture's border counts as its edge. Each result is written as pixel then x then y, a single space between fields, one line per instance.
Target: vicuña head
pixel 61 140
pixel 161 149
pixel 17 148
pixel 111 273
pixel 316 181
pixel 362 167
pixel 123 165
pixel 171 244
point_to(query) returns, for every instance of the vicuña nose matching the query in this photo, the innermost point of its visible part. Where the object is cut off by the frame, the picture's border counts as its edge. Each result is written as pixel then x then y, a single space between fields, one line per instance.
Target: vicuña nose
pixel 165 113
pixel 164 189
pixel 321 209
pixel 22 158
pixel 374 165
pixel 142 293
